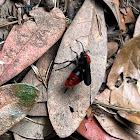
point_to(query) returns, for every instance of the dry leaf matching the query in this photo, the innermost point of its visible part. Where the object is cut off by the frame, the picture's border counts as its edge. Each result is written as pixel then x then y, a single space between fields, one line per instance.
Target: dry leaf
pixel 26 43
pixel 114 6
pixel 66 110
pixel 6 9
pixel 39 109
pixel 126 62
pixel 17 137
pixel 112 48
pixel 104 96
pixel 32 130
pixel 16 100
pixel 128 15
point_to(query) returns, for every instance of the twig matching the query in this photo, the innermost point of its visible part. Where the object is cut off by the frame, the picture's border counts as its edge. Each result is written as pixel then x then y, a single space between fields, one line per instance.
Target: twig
pixel 35 121
pixel 116 107
pixel 47 74
pixel 13 22
pixel 8 23
pixel 39 77
pixel 134 7
pixel 66 5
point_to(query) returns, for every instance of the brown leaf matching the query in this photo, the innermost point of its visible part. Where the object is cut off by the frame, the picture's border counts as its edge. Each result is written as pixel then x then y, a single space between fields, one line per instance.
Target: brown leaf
pixel 128 15
pixel 104 96
pixel 66 110
pixel 114 6
pixel 126 62
pixel 16 100
pixel 133 117
pixel 112 48
pixel 32 39
pixel 32 130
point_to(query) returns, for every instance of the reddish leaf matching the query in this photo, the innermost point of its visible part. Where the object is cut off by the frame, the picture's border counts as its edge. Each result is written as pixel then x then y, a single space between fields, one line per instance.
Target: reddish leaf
pixel 16 100
pixel 91 130
pixel 26 43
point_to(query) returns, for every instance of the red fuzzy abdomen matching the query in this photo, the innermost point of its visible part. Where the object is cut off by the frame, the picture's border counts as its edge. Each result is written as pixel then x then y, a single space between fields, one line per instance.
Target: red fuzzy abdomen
pixel 72 80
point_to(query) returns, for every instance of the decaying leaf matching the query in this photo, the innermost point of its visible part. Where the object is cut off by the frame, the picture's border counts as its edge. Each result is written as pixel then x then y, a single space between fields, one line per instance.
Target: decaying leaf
pixel 39 109
pixel 66 110
pixel 114 6
pixel 32 130
pixel 16 100
pixel 104 96
pixel 6 8
pixel 26 43
pixel 91 130
pixel 112 47
pixel 127 64
pixel 128 15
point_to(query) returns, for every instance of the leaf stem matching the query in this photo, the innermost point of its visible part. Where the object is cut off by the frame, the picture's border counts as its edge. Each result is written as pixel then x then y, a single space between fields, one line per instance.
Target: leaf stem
pixel 97 102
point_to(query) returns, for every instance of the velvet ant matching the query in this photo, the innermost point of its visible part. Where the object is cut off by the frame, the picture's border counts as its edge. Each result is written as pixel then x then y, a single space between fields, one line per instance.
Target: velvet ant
pixel 81 71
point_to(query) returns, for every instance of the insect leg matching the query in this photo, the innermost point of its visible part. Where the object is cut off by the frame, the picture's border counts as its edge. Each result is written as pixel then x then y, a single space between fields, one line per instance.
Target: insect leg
pixel 71 62
pixel 62 62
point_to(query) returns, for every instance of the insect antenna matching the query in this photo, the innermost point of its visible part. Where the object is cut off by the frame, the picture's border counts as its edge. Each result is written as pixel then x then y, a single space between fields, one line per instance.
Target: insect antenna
pixel 81 44
pixel 74 52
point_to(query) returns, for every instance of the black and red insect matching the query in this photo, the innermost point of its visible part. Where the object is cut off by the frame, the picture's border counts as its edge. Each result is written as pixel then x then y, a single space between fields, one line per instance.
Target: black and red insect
pixel 81 71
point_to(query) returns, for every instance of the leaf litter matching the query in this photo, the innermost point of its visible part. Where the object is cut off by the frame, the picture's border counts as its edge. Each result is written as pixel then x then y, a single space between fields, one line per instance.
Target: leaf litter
pixel 117 107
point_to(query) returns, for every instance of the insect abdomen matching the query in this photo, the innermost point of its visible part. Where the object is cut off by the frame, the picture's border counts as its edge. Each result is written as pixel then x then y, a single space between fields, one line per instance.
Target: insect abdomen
pixel 74 78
